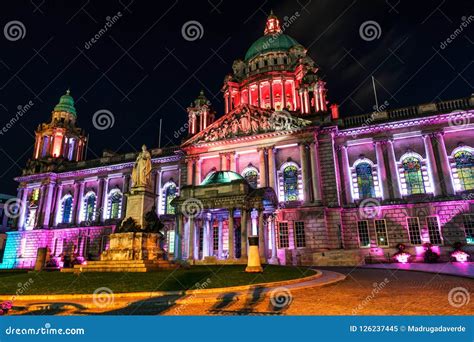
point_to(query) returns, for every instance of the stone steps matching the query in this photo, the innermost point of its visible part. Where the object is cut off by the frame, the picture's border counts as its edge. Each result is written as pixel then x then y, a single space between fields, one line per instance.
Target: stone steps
pixel 123 266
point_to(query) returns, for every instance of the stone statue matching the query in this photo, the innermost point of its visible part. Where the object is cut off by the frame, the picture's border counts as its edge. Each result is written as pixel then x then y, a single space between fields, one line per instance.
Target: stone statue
pixel 141 174
pixel 153 223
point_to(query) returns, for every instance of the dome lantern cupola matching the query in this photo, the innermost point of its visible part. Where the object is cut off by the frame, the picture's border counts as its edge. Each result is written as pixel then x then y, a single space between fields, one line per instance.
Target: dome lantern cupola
pixel 200 114
pixel 61 138
pixel 273 25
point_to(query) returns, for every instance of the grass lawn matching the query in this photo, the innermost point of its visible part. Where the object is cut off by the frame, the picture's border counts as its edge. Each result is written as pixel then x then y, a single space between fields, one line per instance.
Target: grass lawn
pixel 167 280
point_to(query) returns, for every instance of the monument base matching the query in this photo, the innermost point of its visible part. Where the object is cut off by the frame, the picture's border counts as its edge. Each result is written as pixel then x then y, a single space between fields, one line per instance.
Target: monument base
pixel 129 252
pixel 140 201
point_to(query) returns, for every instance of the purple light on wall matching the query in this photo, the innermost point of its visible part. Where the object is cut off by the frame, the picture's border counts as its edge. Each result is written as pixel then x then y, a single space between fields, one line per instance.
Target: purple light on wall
pixel 402 257
pixel 460 256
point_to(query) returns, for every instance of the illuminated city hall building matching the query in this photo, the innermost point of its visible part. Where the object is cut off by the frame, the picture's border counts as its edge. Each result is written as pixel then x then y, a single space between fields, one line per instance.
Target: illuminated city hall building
pixel 280 163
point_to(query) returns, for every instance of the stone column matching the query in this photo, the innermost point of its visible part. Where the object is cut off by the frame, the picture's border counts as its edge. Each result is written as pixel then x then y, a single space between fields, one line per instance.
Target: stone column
pixel 315 171
pixel 261 234
pixel 274 258
pixel 205 236
pixel 190 171
pixel 191 239
pixel 158 194
pixel 39 214
pixel 263 169
pixel 432 168
pixel 178 237
pixel 393 167
pixel 381 172
pixel 79 205
pixel 305 173
pixel 23 196
pixel 105 199
pixel 48 204
pixel 221 247
pixel 75 201
pixel 346 174
pixel 243 230
pixel 58 203
pixel 271 168
pixel 232 162
pixel 126 188
pixel 197 171
pixel 231 249
pixel 446 174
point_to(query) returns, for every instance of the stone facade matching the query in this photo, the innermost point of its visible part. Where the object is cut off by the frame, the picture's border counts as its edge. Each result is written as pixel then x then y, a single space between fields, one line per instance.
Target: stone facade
pixel 347 190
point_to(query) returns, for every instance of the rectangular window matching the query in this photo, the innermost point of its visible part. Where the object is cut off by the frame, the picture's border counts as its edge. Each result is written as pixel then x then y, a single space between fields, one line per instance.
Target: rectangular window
pixel 381 233
pixel 300 239
pixel 414 230
pixel 469 228
pixel 283 240
pixel 215 238
pixel 170 241
pixel 433 230
pixel 363 229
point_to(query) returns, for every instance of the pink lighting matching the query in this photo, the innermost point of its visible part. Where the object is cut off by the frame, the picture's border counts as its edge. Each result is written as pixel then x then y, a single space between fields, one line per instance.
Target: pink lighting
pixel 460 256
pixel 402 257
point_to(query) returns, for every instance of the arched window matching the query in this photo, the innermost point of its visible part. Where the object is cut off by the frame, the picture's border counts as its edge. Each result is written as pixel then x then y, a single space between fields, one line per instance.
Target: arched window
pixel 413 175
pixel 66 209
pixel 115 204
pixel 250 173
pixel 364 179
pixel 290 183
pixel 463 169
pixel 90 206
pixel 170 193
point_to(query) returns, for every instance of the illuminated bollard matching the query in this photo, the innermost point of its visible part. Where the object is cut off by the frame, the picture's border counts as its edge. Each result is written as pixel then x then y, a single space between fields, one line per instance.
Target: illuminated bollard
pixel 253 261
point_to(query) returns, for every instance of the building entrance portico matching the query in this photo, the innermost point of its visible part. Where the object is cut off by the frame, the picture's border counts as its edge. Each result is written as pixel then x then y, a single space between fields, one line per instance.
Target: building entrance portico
pixel 214 219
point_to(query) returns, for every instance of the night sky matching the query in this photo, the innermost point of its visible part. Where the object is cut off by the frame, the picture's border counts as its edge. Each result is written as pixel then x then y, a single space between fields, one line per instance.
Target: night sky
pixel 142 69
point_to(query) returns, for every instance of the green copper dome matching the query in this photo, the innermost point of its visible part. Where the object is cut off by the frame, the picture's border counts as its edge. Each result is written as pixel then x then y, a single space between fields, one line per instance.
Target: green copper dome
pixel 221 177
pixel 267 43
pixel 66 104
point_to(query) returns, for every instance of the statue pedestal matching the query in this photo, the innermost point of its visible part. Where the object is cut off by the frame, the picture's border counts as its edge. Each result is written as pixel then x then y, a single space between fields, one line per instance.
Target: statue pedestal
pixel 140 200
pixel 133 246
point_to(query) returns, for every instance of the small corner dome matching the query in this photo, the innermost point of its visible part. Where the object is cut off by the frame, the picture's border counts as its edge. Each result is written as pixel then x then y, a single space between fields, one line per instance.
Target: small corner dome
pixel 66 104
pixel 221 177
